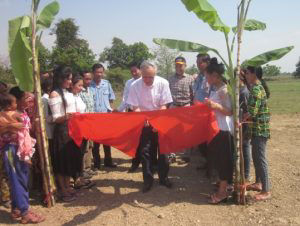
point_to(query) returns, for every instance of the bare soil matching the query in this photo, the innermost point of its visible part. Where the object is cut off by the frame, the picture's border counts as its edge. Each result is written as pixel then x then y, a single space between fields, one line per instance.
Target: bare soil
pixel 117 198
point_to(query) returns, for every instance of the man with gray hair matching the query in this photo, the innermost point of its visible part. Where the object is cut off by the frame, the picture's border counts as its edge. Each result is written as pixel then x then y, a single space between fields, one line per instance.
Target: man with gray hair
pixel 150 93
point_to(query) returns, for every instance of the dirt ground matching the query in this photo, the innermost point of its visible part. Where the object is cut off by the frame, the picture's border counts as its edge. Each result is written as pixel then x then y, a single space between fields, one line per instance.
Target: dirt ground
pixel 117 200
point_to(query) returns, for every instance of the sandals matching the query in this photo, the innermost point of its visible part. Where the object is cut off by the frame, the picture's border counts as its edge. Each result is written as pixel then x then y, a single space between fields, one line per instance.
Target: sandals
pixel 263 196
pixel 15 214
pixel 32 218
pixel 86 184
pixel 254 187
pixel 216 200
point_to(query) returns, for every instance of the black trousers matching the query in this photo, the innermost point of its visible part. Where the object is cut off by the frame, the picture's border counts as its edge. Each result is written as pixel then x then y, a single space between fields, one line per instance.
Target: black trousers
pixel 96 155
pixel 148 149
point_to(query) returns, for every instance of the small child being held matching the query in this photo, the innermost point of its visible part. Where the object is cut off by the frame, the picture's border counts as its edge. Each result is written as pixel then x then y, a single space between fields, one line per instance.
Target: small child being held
pixel 10 116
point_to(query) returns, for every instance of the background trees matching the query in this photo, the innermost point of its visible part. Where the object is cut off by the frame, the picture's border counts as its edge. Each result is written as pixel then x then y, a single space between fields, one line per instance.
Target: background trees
pixel 164 60
pixel 69 49
pixel 271 70
pixel 297 72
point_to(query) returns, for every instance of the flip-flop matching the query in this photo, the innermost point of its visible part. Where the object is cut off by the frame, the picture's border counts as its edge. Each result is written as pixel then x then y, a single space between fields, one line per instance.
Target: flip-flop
pixel 214 200
pixel 262 197
pixel 253 187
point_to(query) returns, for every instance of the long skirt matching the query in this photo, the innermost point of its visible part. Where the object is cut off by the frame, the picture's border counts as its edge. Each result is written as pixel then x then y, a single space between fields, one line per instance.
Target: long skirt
pixel 220 154
pixel 66 156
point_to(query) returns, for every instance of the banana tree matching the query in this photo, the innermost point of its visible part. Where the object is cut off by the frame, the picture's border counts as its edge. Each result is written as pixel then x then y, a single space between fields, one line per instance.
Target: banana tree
pixel 24 34
pixel 208 14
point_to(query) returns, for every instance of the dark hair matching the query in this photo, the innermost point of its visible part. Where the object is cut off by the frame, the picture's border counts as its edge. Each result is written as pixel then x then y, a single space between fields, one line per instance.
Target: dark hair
pixel 6 99
pixel 96 66
pixel 76 78
pixel 135 64
pixel 82 73
pixel 17 92
pixel 46 85
pixel 258 71
pixel 60 74
pixel 214 66
pixel 205 56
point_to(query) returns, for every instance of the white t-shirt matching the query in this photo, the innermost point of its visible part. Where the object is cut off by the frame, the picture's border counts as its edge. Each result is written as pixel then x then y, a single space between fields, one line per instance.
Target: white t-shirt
pixel 149 98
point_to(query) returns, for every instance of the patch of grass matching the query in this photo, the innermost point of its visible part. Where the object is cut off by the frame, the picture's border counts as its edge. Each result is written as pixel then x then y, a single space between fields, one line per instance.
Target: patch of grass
pixel 285 96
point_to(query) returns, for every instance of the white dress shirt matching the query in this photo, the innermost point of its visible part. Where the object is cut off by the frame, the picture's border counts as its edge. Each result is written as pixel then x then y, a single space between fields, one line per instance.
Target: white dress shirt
pixel 149 98
pixel 124 104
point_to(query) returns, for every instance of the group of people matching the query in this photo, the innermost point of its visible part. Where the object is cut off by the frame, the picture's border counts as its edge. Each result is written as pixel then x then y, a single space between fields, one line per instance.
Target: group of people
pixel 66 94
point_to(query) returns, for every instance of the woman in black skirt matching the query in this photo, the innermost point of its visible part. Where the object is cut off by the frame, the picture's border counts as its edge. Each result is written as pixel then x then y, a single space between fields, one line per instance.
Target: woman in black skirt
pixel 64 154
pixel 221 147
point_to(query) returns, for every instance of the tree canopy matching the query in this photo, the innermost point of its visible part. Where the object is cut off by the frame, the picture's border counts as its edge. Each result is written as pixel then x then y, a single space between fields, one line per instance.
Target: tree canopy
pixel 69 49
pixel 121 55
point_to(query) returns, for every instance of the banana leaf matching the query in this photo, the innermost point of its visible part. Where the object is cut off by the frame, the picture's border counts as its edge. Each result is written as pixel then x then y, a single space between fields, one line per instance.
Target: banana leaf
pixel 47 15
pixel 267 57
pixel 252 25
pixel 20 52
pixel 183 46
pixel 207 13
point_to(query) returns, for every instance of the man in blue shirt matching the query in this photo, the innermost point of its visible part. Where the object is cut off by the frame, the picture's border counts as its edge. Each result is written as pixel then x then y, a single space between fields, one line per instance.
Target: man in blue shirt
pixel 201 87
pixel 103 97
pixel 201 91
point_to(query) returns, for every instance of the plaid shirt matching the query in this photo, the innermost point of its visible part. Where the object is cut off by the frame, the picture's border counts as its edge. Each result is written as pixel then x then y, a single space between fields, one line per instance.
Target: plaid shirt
pixel 88 98
pixel 181 89
pixel 259 111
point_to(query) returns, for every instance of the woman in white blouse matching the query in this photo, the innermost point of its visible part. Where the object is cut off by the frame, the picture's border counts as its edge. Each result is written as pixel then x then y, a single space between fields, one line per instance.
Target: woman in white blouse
pixel 80 106
pixel 65 152
pixel 221 147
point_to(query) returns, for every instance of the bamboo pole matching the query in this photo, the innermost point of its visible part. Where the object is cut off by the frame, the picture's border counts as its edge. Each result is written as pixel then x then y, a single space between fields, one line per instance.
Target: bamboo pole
pixel 40 131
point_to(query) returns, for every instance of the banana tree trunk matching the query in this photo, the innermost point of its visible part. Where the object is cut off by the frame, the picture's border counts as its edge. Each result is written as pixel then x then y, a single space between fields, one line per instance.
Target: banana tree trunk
pixel 239 167
pixel 42 142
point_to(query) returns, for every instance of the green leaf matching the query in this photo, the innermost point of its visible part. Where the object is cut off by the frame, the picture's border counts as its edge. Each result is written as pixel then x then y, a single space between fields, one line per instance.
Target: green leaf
pixel 20 52
pixel 47 15
pixel 252 25
pixel 184 46
pixel 267 57
pixel 207 13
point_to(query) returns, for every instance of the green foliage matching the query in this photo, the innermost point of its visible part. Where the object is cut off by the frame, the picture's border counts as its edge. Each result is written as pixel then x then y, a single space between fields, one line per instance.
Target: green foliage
pixel 118 77
pixel 185 46
pixel 6 75
pixel 164 60
pixel 20 52
pixel 47 15
pixel 192 70
pixel 69 49
pixel 19 42
pixel 271 70
pixel 66 32
pixel 267 57
pixel 78 58
pixel 252 25
pixel 207 13
pixel 297 72
pixel 122 55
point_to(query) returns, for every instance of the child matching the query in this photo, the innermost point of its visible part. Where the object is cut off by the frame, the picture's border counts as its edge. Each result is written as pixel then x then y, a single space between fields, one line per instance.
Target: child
pixel 16 147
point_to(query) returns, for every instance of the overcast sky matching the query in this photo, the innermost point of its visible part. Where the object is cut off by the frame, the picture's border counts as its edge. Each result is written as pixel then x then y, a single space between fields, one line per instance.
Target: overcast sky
pixel 143 20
